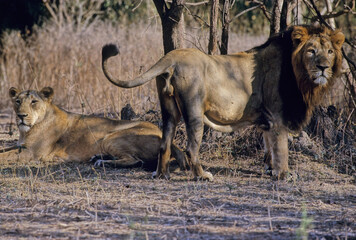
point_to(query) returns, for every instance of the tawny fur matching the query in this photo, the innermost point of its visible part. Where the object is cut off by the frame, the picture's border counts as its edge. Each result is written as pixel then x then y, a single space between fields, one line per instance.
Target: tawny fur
pixel 49 132
pixel 275 86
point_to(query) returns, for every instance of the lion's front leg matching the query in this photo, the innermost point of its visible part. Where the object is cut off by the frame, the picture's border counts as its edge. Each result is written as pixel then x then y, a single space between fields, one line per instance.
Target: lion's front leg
pixel 276 151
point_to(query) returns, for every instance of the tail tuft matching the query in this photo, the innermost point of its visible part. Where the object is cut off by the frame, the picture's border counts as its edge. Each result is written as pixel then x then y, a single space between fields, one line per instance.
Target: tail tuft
pixel 109 50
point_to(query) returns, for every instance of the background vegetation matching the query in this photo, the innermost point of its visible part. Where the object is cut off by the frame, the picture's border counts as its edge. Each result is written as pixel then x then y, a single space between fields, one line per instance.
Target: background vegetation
pixel 58 44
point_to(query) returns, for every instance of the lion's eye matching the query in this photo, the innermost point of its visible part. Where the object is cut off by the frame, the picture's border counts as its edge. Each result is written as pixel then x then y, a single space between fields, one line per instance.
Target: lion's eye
pixel 311 51
pixel 330 51
pixel 34 101
pixel 18 101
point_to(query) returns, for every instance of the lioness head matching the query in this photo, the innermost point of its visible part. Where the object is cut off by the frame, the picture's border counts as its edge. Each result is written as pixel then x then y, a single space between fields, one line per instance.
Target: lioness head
pixel 30 106
pixel 317 55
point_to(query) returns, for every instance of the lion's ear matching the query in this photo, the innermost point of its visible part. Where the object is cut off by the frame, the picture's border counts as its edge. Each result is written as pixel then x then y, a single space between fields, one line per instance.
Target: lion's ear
pixel 299 35
pixel 13 92
pixel 47 93
pixel 337 39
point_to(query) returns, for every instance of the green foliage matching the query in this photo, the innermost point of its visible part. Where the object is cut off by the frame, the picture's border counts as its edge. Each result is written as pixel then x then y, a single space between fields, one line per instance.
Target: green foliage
pixel 305 226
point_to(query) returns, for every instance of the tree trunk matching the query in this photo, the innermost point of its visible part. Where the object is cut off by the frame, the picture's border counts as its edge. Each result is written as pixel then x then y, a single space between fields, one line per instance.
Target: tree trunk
pixel 172 24
pixel 225 27
pixel 213 38
pixel 284 15
pixel 276 17
pixel 329 8
pixel 297 12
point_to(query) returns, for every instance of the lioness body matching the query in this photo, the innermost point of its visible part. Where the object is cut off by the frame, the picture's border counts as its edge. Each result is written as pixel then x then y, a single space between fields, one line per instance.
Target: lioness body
pixel 48 132
pixel 274 86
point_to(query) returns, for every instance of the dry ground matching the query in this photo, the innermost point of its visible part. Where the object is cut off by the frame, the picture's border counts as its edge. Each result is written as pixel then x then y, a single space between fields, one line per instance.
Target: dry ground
pixel 78 201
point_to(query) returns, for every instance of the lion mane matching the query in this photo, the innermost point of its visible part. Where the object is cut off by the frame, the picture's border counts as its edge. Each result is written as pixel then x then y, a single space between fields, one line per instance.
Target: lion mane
pixel 274 86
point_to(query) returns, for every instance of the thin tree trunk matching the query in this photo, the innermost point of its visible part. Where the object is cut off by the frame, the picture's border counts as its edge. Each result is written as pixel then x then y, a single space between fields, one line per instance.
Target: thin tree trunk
pixel 329 8
pixel 172 24
pixel 276 17
pixel 297 12
pixel 225 27
pixel 284 15
pixel 213 38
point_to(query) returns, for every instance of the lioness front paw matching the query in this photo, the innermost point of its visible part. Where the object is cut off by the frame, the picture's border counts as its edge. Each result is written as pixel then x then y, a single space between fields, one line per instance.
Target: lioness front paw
pixel 205 176
pixel 268 170
pixel 99 163
pixel 161 175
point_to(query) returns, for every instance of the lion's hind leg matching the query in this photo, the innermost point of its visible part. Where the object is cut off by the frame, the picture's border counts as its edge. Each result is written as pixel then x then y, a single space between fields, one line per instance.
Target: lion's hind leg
pixel 193 117
pixel 134 147
pixel 170 118
pixel 267 159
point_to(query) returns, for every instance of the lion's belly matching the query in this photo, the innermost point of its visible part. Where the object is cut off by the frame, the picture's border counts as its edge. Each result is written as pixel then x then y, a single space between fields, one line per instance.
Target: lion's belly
pixel 226 106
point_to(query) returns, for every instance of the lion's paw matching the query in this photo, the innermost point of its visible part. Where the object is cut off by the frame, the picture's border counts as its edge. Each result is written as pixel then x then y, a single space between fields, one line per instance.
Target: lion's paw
pixel 279 174
pixel 160 176
pixel 206 176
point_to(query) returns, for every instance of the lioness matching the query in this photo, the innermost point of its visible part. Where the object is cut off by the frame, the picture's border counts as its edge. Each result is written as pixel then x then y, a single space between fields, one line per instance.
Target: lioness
pixel 48 132
pixel 274 86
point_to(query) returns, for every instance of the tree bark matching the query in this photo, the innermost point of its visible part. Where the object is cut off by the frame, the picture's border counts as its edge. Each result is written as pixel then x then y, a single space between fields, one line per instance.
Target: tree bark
pixel 276 17
pixel 172 24
pixel 297 12
pixel 284 15
pixel 213 38
pixel 225 27
pixel 329 8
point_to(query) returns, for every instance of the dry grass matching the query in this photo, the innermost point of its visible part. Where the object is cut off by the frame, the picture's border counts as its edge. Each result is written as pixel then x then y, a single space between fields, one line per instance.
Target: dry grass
pixel 78 201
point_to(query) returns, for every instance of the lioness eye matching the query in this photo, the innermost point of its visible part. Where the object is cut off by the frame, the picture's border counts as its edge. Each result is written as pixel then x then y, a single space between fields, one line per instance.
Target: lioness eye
pixel 330 51
pixel 18 101
pixel 34 101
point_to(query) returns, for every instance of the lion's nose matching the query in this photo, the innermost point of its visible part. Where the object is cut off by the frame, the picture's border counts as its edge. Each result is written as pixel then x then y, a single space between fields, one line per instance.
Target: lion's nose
pixel 22 116
pixel 322 67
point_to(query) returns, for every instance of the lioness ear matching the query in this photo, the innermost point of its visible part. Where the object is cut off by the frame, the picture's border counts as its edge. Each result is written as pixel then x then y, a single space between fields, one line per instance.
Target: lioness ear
pixel 47 93
pixel 13 92
pixel 337 39
pixel 299 34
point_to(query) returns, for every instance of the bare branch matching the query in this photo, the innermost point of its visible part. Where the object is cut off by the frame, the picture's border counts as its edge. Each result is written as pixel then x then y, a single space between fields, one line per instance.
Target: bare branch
pixel 243 12
pixel 320 17
pixel 194 3
pixel 263 8
pixel 206 24
pixel 137 6
pixel 197 3
pixel 335 14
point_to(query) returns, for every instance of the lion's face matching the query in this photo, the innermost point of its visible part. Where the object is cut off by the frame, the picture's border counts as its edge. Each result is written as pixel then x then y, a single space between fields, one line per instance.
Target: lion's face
pixel 30 106
pixel 317 54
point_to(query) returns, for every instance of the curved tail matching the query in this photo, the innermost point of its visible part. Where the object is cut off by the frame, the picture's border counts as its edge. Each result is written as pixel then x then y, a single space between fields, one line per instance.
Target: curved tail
pixel 159 68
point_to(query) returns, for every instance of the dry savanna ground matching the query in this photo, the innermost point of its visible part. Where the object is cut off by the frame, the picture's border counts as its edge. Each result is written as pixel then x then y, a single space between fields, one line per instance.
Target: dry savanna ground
pixel 78 201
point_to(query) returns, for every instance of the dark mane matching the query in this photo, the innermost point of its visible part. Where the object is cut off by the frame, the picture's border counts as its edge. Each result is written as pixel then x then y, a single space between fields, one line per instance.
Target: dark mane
pixel 294 107
pixel 297 104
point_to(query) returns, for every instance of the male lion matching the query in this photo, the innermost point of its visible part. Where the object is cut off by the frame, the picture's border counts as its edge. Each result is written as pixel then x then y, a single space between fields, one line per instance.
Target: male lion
pixel 274 86
pixel 48 131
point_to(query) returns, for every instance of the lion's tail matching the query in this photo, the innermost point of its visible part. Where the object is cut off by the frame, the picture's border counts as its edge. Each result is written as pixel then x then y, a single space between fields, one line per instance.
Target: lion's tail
pixel 159 68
